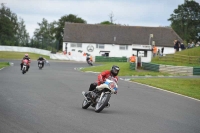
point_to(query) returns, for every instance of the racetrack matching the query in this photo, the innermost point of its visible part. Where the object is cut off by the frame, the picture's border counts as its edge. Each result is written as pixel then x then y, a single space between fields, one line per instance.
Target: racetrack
pixel 49 101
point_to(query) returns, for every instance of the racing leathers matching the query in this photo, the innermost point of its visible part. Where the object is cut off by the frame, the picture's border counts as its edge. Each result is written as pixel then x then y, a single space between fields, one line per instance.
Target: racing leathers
pixel 41 59
pixel 29 61
pixel 101 79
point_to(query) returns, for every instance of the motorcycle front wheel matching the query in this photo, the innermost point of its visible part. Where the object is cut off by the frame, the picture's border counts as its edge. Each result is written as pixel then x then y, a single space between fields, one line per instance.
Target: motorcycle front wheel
pixel 102 103
pixel 23 70
pixel 85 104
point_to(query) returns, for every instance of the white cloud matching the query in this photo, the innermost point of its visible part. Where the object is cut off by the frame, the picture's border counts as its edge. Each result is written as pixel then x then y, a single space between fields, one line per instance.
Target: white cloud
pixel 129 12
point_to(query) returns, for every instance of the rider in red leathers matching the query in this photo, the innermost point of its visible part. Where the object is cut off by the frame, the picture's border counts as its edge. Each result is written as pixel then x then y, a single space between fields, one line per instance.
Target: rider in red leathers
pixel 106 74
pixel 101 79
pixel 103 76
pixel 26 58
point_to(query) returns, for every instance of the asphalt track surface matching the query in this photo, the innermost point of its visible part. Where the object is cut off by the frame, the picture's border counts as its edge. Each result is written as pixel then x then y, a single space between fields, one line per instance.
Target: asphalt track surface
pixel 49 101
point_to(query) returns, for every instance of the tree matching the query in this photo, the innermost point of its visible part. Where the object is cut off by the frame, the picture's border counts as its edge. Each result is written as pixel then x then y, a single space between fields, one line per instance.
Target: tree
pixel 111 22
pixel 52 33
pixel 186 21
pixel 12 32
pixel 111 15
pixel 60 26
pixel 106 22
pixel 22 35
pixel 43 35
pixel 8 26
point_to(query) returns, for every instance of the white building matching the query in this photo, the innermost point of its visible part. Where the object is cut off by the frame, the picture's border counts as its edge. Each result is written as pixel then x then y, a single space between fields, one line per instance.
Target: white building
pixel 117 41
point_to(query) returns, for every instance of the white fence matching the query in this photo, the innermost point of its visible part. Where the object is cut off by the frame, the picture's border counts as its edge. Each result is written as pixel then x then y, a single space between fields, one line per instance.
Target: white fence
pixel 60 56
pixel 183 70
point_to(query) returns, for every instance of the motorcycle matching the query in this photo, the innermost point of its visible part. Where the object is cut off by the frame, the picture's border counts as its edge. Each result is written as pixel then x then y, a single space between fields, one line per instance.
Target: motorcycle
pixel 90 62
pixel 25 66
pixel 40 64
pixel 100 98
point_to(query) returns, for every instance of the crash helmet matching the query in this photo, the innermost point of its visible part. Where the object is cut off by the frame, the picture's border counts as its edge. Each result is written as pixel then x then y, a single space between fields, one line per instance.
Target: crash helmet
pixel 26 55
pixel 114 70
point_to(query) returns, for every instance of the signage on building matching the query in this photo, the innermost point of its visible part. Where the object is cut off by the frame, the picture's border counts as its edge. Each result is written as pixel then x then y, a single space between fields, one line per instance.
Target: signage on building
pixel 90 48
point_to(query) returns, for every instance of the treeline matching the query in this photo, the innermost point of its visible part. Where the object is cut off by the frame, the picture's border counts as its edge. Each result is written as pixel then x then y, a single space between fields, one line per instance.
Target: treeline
pixel 48 36
pixel 185 21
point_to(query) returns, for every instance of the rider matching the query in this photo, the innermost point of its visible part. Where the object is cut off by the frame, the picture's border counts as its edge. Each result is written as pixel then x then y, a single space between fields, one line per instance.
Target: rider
pixel 103 76
pixel 41 59
pixel 88 57
pixel 26 57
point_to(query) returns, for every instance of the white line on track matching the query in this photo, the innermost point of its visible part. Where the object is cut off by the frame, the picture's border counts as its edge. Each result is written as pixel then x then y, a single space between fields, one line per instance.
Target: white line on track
pixel 2 68
pixel 160 89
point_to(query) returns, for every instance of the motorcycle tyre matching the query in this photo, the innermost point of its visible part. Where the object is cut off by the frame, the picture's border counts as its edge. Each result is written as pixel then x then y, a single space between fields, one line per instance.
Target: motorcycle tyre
pixel 103 104
pixel 89 63
pixel 85 104
pixel 40 66
pixel 23 71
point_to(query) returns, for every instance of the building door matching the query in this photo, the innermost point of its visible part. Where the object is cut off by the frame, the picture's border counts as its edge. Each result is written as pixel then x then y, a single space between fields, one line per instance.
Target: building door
pixel 107 54
pixel 104 53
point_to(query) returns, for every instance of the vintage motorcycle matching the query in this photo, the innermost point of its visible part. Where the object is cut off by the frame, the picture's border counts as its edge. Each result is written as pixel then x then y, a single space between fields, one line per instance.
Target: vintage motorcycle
pixel 25 66
pixel 90 62
pixel 40 64
pixel 100 97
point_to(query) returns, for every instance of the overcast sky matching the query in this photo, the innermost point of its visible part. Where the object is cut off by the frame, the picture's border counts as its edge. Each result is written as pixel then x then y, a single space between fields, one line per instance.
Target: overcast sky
pixel 151 13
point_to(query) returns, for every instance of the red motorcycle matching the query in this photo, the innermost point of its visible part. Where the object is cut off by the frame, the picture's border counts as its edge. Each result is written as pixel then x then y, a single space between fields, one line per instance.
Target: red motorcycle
pixel 25 66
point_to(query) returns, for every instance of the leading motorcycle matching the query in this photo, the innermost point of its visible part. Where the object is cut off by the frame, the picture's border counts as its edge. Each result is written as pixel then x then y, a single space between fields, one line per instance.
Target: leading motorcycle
pixel 25 66
pixel 100 97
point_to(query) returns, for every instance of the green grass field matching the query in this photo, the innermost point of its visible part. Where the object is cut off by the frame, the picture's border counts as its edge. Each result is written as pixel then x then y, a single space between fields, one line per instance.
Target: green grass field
pixel 19 55
pixel 124 69
pixel 3 64
pixel 182 58
pixel 190 52
pixel 187 87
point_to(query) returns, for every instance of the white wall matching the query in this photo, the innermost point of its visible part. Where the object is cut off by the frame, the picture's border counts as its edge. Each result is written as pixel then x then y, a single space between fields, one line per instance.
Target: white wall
pixel 58 56
pixel 77 56
pixel 115 51
pixel 25 49
pixel 168 50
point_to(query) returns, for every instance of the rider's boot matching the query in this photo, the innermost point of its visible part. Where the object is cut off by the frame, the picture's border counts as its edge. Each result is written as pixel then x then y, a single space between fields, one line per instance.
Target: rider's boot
pixel 27 68
pixel 107 105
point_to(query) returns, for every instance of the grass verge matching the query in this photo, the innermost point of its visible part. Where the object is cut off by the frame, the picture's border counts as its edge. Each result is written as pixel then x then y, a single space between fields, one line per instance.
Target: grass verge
pixel 20 55
pixel 3 64
pixel 124 69
pixel 187 87
pixel 189 57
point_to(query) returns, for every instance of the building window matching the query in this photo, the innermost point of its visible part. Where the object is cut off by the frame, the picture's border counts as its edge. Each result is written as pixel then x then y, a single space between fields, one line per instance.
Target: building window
pixel 73 44
pixel 79 45
pixel 76 45
pixel 123 47
pixel 100 46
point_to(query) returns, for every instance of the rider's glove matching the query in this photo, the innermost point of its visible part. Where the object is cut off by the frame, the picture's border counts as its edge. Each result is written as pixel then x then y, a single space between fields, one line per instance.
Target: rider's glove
pixel 101 81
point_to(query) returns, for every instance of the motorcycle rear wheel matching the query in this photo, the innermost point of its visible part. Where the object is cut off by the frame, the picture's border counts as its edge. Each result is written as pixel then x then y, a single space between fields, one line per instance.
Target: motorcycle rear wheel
pixel 101 104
